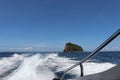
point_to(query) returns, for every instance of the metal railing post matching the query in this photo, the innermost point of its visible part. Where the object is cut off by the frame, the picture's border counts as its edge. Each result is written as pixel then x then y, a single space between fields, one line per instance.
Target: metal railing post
pixel 81 67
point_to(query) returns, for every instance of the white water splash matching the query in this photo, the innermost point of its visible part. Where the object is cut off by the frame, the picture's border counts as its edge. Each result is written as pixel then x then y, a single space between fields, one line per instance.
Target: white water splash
pixel 92 68
pixel 39 67
pixel 9 63
pixel 29 70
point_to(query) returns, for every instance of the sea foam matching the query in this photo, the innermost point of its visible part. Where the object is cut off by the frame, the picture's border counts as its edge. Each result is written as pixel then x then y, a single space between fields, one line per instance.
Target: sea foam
pixel 44 67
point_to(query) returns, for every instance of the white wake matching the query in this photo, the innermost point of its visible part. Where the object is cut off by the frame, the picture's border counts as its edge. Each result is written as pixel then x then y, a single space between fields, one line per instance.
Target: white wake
pixel 43 67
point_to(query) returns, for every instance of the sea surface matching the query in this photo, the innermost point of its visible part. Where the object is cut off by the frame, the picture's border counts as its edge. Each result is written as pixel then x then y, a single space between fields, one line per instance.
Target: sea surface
pixel 48 65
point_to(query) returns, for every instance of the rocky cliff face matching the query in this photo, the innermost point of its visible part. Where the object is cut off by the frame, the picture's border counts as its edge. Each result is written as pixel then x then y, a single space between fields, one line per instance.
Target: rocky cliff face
pixel 70 47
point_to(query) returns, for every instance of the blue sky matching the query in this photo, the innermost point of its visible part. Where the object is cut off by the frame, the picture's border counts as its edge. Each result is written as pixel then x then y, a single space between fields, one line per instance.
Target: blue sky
pixel 46 25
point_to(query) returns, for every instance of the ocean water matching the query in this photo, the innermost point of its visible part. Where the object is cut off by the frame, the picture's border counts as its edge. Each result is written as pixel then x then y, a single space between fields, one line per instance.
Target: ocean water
pixel 46 66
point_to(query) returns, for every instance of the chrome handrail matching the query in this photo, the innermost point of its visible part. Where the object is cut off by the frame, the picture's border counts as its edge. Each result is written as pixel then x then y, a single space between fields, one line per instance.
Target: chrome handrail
pixel 113 36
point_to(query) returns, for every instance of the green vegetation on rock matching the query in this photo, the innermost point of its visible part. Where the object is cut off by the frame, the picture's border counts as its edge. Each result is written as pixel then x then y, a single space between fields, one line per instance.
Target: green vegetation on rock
pixel 70 47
